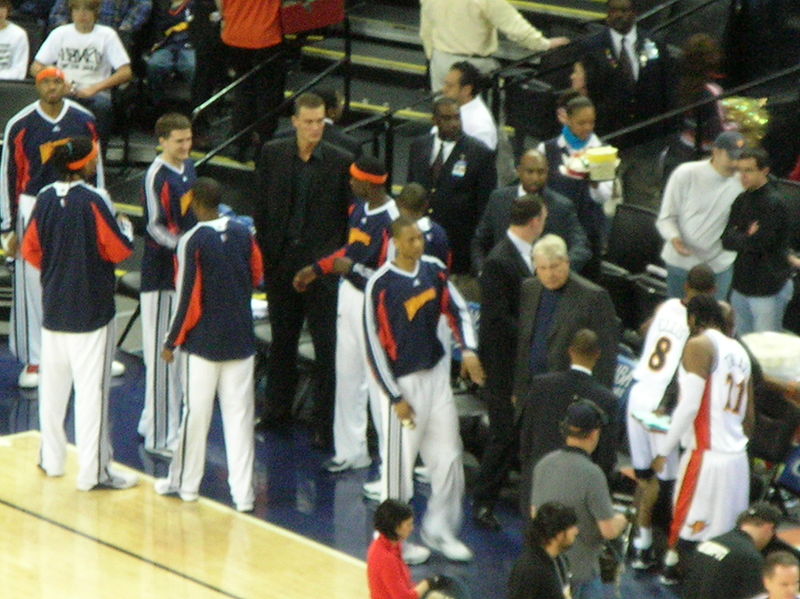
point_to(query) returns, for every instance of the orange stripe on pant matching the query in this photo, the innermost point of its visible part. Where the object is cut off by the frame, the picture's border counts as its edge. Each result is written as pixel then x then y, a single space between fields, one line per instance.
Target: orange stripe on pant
pixel 685 496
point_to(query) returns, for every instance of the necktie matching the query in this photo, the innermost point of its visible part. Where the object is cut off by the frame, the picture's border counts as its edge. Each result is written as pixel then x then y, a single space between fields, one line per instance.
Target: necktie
pixel 625 64
pixel 438 162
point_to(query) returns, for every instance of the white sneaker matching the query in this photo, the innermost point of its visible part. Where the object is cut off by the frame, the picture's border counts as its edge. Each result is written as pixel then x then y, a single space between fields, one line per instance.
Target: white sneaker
pixel 117 368
pixel 372 490
pixel 414 554
pixel 422 475
pixel 116 480
pixel 163 486
pixel 244 507
pixel 29 377
pixel 448 546
pixel 335 465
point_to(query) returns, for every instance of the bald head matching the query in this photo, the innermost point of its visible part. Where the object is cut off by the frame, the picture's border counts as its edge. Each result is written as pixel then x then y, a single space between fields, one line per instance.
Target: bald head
pixel 532 171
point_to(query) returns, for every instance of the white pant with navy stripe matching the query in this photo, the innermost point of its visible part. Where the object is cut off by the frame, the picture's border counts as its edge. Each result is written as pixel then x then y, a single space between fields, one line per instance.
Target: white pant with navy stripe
pixel 82 360
pixel 436 438
pixel 355 385
pixel 25 336
pixel 233 381
pixel 161 415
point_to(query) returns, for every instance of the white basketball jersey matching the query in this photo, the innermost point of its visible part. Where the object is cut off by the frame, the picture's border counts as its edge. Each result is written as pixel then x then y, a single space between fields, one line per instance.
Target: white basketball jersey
pixel 718 423
pixel 663 348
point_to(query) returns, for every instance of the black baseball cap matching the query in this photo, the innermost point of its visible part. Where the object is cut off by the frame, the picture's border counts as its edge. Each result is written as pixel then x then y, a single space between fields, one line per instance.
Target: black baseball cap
pixel 584 414
pixel 732 142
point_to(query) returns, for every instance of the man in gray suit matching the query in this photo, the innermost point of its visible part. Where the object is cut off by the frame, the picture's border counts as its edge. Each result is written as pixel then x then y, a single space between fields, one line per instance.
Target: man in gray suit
pixel 562 218
pixel 553 307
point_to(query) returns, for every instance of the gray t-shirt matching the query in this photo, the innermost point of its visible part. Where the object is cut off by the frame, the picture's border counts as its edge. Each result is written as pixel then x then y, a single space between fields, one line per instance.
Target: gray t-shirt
pixel 570 477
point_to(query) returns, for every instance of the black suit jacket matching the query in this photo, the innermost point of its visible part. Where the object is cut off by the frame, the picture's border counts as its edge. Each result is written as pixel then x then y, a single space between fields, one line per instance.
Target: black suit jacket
pixel 562 220
pixel 457 202
pixel 545 406
pixel 329 199
pixel 582 305
pixel 501 280
pixel 617 105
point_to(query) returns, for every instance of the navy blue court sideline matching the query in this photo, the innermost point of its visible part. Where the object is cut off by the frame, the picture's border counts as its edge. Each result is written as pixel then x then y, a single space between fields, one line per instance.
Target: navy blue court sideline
pixel 292 490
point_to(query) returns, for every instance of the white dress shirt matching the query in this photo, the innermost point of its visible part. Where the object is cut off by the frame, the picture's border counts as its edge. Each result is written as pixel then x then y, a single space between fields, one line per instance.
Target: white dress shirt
pixel 523 247
pixel 478 122
pixel 630 46
pixel 437 143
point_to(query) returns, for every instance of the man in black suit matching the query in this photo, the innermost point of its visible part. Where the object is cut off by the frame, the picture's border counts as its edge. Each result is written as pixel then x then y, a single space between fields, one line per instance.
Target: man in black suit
pixel 303 183
pixel 545 405
pixel 627 88
pixel 507 265
pixel 460 173
pixel 562 220
pixel 553 307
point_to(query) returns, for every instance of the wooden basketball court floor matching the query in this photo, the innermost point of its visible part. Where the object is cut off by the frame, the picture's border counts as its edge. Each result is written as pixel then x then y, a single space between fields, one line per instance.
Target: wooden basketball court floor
pixel 57 541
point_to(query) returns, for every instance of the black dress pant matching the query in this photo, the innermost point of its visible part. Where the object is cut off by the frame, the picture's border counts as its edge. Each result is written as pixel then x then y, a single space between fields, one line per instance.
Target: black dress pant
pixel 501 448
pixel 287 310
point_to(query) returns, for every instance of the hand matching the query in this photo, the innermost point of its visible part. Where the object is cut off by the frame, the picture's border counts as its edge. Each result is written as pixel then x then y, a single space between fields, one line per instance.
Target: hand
pixel 405 413
pixel 437 582
pixel 556 42
pixel 471 367
pixel 514 400
pixel 794 261
pixel 10 244
pixel 753 228
pixel 342 265
pixel 125 226
pixel 168 355
pixel 85 92
pixel 304 277
pixel 658 464
pixel 681 247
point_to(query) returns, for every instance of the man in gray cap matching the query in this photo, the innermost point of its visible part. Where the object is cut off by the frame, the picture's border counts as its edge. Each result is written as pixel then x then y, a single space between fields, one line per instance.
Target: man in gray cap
pixel 584 489
pixel 694 211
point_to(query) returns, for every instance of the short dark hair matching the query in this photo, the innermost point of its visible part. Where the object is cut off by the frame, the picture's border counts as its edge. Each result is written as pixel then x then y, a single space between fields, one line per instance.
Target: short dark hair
pixel 758 154
pixel 389 515
pixel 585 342
pixel 778 558
pixel 567 97
pixel 329 97
pixel 578 103
pixel 71 150
pixel 551 519
pixel 8 4
pixel 761 512
pixel 470 75
pixel 439 102
pixel 634 4
pixel 701 278
pixel 307 100
pixel 400 223
pixel 706 311
pixel 171 121
pixel 207 192
pixel 525 208
pixel 413 198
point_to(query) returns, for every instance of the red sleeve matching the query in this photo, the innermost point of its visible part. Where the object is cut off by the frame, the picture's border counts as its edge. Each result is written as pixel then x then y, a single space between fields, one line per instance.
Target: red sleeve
pixel 324 266
pixel 256 264
pixel 31 247
pixel 795 174
pixel 111 244
pixel 388 575
pixel 189 312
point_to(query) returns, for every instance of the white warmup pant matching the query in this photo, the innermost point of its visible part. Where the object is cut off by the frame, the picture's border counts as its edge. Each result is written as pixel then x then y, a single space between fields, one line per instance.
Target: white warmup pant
pixel 83 360
pixel 355 385
pixel 161 415
pixel 436 438
pixel 233 381
pixel 25 336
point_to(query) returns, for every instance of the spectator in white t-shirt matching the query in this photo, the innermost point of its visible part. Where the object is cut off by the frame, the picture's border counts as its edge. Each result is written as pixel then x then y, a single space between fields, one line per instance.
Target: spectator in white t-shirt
pixel 13 46
pixel 93 58
pixel 463 84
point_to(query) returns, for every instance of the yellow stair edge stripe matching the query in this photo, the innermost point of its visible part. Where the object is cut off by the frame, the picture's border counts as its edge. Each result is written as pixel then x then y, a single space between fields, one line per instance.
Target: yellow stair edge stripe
pixel 367 60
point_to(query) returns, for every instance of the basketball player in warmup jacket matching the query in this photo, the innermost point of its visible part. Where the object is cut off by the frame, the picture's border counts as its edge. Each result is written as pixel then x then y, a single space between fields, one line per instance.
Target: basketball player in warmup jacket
pixel 219 263
pixel 365 251
pixel 667 333
pixel 167 214
pixel 403 302
pixel 23 174
pixel 715 409
pixel 75 241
